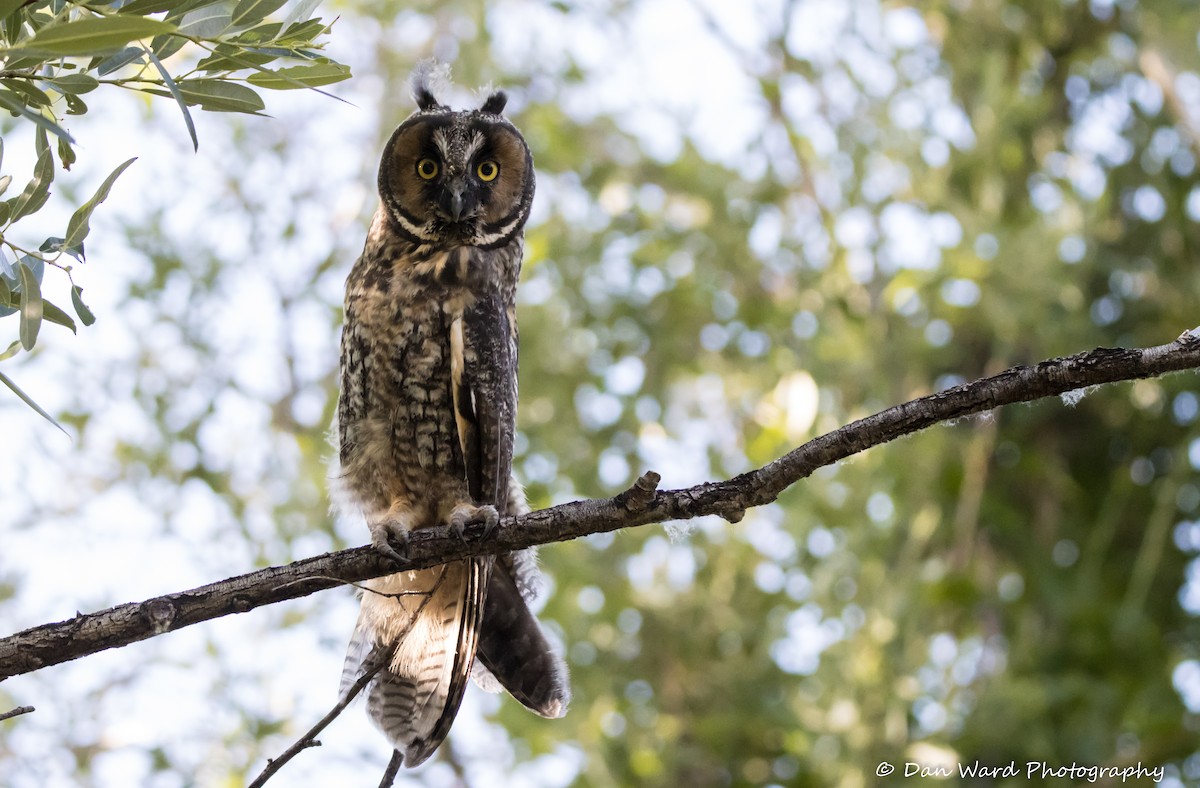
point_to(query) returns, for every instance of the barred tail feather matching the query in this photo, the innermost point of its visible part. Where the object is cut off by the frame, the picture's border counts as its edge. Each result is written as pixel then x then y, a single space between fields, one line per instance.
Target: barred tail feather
pixel 357 654
pixel 415 698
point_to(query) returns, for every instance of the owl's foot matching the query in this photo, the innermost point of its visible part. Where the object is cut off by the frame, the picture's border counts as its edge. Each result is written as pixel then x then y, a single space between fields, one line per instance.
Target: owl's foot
pixel 385 532
pixel 468 513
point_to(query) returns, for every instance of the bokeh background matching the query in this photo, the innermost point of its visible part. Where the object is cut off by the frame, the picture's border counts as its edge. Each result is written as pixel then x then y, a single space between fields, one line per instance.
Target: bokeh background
pixel 755 222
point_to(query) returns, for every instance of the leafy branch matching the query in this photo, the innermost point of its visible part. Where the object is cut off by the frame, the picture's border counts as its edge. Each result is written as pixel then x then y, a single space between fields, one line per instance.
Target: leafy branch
pixel 55 643
pixel 211 54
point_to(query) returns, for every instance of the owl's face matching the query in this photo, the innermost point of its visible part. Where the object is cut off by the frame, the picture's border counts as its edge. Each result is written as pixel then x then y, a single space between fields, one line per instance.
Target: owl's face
pixel 457 178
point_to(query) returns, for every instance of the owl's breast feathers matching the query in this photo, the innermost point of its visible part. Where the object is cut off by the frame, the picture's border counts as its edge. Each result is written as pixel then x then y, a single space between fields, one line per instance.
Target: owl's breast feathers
pixel 398 419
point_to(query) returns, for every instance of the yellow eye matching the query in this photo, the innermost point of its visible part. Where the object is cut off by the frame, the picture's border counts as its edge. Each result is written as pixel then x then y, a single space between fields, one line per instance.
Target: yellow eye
pixel 427 169
pixel 487 171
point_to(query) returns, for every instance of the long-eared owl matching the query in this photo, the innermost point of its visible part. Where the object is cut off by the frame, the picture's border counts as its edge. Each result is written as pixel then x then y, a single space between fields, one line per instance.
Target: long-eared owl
pixel 426 415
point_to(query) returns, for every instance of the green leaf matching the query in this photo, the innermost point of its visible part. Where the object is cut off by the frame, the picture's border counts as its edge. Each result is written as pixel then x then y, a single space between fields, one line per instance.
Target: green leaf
pixel 29 93
pixel 79 225
pixel 81 308
pixel 263 34
pixel 26 62
pixel 170 83
pixel 300 76
pixel 145 7
pixel 11 101
pixel 302 32
pixel 4 183
pixel 250 12
pixel 221 96
pixel 31 306
pixel 188 6
pixel 37 190
pixel 165 46
pixel 36 264
pixel 232 58
pixel 208 22
pixel 66 154
pixel 8 6
pixel 75 84
pixel 300 12
pixel 28 401
pixel 10 303
pixel 95 36
pixel 6 298
pixel 13 349
pixel 75 106
pixel 54 314
pixel 55 244
pixel 121 59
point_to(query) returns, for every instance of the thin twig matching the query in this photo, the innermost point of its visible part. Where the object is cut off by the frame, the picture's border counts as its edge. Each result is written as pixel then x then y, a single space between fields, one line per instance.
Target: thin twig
pixel 393 768
pixel 17 712
pixel 54 643
pixel 357 586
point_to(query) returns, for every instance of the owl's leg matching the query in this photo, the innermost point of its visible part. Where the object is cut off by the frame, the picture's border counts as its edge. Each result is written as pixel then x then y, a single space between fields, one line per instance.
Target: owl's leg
pixel 465 513
pixel 394 525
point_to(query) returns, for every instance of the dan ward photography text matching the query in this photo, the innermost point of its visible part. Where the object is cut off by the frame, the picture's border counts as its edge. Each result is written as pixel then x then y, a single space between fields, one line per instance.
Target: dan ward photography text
pixel 1031 770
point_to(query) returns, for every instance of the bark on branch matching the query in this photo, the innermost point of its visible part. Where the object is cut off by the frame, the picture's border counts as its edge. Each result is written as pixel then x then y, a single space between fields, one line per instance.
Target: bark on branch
pixel 51 644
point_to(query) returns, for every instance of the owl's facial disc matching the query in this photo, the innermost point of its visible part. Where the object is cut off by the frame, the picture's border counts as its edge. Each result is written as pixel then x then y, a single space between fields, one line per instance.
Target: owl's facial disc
pixel 457 179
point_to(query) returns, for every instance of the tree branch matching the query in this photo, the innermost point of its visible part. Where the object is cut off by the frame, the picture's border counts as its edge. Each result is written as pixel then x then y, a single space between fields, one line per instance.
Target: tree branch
pixel 17 712
pixel 51 644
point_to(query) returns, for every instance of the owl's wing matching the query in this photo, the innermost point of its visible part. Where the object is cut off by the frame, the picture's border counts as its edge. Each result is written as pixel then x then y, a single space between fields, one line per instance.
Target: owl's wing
pixel 483 379
pixel 486 396
pixel 512 645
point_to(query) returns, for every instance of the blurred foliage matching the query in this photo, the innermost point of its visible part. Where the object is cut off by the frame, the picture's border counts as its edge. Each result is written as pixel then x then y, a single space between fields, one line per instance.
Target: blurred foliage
pixel 56 51
pixel 880 201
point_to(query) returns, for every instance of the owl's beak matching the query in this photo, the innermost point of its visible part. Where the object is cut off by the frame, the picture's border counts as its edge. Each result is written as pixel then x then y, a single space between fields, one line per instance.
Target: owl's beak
pixel 453 200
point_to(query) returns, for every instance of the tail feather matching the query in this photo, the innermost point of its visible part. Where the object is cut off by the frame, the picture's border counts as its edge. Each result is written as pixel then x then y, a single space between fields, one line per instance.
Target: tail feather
pixel 515 651
pixel 357 654
pixel 433 617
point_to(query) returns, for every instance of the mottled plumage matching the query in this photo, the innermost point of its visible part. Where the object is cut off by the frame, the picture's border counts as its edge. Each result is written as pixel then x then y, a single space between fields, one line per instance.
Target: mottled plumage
pixel 426 418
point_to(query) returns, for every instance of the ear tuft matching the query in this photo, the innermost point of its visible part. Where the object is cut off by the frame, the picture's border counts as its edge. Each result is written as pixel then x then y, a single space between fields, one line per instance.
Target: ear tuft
pixel 428 76
pixel 495 103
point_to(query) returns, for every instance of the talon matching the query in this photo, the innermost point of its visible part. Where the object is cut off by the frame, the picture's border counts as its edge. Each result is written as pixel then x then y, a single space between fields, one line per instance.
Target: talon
pixel 382 533
pixel 458 523
pixel 491 519
pixel 468 513
pixel 386 549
